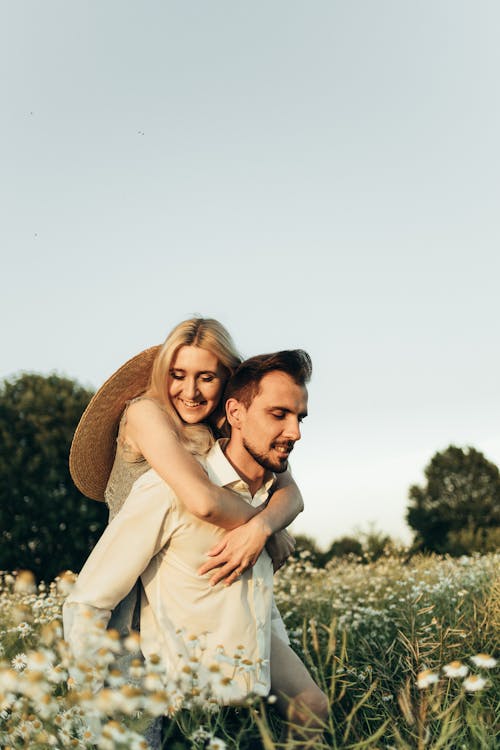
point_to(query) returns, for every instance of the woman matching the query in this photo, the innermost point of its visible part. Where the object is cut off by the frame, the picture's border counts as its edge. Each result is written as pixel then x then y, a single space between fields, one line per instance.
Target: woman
pixel 166 405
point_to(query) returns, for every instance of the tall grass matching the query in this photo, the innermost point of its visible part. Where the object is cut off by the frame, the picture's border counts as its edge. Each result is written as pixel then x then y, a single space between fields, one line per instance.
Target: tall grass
pixel 403 649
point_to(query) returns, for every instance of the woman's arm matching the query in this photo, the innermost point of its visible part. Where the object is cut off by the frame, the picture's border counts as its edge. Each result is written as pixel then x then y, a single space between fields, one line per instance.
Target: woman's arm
pixel 240 548
pixel 149 431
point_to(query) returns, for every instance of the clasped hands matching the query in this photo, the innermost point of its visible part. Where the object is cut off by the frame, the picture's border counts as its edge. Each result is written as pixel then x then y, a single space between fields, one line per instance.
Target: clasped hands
pixel 240 548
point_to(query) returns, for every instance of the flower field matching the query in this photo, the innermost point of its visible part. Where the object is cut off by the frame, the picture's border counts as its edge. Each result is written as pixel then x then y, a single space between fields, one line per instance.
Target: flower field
pixel 405 650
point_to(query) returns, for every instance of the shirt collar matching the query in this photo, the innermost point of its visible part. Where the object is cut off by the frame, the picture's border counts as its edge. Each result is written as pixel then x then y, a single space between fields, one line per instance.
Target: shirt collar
pixel 222 473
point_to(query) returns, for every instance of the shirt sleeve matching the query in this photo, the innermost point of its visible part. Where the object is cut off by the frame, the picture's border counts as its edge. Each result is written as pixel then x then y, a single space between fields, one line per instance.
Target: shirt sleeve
pixel 138 532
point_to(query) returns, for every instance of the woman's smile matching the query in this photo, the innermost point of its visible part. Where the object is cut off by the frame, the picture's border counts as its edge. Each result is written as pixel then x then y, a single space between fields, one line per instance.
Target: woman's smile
pixel 196 381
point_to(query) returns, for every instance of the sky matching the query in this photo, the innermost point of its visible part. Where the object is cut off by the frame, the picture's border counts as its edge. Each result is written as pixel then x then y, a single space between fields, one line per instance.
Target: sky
pixel 322 175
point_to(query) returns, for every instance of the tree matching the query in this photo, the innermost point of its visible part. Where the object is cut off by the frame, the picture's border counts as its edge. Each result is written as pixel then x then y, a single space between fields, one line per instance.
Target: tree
pixel 346 545
pixel 46 524
pixel 460 500
pixel 376 542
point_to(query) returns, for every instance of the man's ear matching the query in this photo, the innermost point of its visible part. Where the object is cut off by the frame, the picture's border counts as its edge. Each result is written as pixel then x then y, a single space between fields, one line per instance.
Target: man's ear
pixel 235 410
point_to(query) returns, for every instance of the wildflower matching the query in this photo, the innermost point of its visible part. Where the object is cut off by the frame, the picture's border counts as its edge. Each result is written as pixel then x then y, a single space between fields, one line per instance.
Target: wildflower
pixel 51 633
pixel 112 734
pixel 216 744
pixel 115 678
pixel 246 666
pixel 473 683
pixel 200 735
pixel 129 699
pixel 104 657
pixel 156 703
pixel 132 643
pixel 24 730
pixel 65 582
pixel 426 678
pixel 39 661
pixel 138 743
pixel 24 629
pixel 25 582
pixel 225 688
pixel 456 669
pixel 153 682
pixel 19 662
pixel 35 687
pixel 136 669
pixel 154 663
pixel 484 660
pixel 56 674
pixel 112 640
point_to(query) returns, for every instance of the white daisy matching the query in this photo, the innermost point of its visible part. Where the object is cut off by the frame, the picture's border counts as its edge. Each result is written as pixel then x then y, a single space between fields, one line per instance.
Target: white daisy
pixel 133 643
pixel 473 683
pixel 19 662
pixel 456 669
pixel 24 629
pixel 216 744
pixel 426 678
pixel 484 660
pixel 25 582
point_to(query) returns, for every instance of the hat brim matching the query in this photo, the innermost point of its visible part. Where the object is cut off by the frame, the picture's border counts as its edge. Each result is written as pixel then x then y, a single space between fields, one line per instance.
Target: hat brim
pixel 94 443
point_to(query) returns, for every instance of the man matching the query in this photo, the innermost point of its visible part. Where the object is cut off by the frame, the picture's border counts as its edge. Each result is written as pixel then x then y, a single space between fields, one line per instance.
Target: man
pixel 231 636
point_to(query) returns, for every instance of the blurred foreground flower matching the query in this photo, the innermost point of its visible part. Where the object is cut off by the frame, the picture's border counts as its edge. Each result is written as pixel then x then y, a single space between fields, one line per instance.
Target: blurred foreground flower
pixel 25 582
pixel 426 678
pixel 484 660
pixel 473 683
pixel 65 582
pixel 456 669
pixel 216 744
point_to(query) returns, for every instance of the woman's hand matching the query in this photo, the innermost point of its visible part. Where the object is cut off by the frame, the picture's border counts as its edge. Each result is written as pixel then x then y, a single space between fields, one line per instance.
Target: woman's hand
pixel 280 546
pixel 238 551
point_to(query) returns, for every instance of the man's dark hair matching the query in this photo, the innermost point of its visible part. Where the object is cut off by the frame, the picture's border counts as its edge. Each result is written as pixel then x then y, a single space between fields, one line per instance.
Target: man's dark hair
pixel 244 384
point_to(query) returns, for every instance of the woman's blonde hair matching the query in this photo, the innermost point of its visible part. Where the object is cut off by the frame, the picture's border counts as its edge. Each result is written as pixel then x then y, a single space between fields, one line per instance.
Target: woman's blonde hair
pixel 206 333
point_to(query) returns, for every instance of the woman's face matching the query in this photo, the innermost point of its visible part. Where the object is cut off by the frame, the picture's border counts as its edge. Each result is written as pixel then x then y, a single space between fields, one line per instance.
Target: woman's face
pixel 195 383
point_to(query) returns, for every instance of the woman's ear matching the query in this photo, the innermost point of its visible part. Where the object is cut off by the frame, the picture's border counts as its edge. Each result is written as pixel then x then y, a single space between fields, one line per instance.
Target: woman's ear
pixel 234 412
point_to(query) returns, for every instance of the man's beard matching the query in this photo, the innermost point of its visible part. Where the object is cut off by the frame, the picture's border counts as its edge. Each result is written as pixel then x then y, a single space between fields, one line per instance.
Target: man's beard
pixel 263 459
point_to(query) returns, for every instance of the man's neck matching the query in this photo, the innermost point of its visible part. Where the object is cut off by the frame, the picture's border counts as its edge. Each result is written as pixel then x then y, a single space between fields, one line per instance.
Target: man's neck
pixel 249 470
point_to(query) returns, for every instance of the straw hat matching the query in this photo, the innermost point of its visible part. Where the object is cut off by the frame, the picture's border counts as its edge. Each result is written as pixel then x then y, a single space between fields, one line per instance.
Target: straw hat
pixel 94 443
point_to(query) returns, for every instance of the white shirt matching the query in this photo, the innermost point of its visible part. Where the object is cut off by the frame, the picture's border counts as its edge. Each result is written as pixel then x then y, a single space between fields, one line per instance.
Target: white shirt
pixel 226 630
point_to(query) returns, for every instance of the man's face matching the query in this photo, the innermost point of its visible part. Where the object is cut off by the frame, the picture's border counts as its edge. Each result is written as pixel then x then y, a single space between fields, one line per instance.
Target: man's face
pixel 270 426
